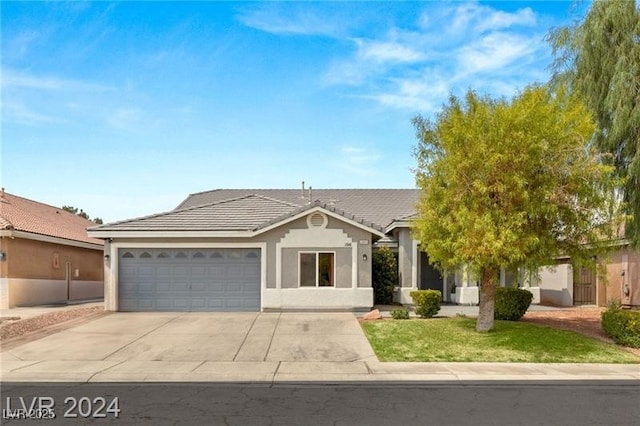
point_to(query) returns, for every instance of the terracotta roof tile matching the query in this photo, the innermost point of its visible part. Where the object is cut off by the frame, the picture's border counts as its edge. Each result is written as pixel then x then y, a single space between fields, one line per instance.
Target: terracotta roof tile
pixel 22 214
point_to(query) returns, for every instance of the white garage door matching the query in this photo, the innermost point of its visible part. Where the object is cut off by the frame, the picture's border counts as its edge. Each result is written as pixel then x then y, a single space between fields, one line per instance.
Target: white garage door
pixel 189 280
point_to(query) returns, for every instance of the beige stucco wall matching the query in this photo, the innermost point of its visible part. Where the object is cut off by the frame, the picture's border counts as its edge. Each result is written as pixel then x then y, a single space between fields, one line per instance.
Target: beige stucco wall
pixel 29 275
pixel 34 260
pixel 622 273
pixel 556 285
pixel 30 292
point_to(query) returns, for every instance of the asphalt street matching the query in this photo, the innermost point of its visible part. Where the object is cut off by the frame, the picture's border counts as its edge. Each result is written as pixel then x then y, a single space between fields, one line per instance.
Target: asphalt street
pixel 507 403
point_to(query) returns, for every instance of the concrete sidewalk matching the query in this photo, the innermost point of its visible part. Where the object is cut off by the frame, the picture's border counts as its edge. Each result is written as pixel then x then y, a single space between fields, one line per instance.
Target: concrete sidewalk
pixel 270 372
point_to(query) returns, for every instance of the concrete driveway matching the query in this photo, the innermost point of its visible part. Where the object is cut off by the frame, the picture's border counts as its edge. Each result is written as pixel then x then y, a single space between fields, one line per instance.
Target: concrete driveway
pixel 192 346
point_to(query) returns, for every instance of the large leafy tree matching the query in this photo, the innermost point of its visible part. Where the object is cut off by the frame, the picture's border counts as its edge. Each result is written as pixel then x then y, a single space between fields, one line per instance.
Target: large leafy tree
pixel 599 57
pixel 510 184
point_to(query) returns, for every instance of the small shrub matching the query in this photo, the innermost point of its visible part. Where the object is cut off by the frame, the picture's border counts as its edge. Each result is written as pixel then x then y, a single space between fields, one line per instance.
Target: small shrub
pixel 511 303
pixel 614 304
pixel 622 326
pixel 400 313
pixel 427 302
pixel 384 270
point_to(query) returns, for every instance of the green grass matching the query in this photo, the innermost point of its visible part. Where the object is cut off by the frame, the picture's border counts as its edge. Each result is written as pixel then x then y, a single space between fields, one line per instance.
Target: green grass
pixel 455 340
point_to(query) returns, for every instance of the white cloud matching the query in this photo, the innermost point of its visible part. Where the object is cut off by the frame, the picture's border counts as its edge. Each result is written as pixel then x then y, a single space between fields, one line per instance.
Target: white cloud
pixel 387 51
pixel 497 20
pixel 358 160
pixel 19 79
pixel 485 18
pixel 448 49
pixel 414 94
pixel 493 52
pixel 17 112
pixel 296 21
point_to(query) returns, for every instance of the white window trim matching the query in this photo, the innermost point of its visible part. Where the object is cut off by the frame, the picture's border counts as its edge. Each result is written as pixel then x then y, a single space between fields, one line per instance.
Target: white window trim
pixel 317 252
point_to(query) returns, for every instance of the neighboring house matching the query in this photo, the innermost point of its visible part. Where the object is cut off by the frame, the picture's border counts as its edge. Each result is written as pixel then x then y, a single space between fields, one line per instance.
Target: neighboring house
pixel 46 255
pixel 564 285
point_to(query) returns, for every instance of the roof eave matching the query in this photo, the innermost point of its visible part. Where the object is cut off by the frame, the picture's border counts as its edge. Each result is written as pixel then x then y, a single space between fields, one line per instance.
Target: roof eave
pixel 398 224
pixel 128 233
pixel 51 239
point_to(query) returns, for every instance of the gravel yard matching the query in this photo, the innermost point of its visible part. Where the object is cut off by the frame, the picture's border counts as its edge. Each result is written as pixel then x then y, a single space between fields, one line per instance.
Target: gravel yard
pixel 585 320
pixel 12 326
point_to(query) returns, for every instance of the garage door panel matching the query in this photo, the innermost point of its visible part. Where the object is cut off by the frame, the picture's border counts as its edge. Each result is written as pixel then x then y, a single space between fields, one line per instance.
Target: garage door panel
pixel 180 271
pixel 145 304
pixel 189 280
pixel 163 303
pixel 182 304
pixel 199 287
pixel 198 304
pixel 146 287
pixel 180 287
pixel 198 271
pixel 163 286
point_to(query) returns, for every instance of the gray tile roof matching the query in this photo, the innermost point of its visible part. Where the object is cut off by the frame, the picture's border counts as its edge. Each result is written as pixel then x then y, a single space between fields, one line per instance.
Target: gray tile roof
pixel 254 209
pixel 378 206
pixel 243 213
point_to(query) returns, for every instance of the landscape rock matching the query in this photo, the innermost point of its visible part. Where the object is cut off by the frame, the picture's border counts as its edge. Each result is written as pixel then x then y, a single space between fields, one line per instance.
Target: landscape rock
pixel 372 315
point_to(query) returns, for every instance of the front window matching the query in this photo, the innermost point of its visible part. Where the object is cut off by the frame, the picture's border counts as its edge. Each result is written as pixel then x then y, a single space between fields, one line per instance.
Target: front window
pixel 317 269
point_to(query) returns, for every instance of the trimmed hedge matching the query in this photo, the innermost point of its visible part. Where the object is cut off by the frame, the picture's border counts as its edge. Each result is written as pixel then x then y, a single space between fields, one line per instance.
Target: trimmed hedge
pixel 622 326
pixel 400 313
pixel 427 302
pixel 511 303
pixel 384 271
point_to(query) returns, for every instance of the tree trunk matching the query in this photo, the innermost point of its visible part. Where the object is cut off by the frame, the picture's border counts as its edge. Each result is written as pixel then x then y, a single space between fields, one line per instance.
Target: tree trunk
pixel 487 300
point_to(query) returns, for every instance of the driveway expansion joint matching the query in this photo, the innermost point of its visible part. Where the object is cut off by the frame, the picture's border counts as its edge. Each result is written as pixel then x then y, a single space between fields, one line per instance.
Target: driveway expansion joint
pixel 90 379
pixel 246 336
pixel 142 336
pixel 266 355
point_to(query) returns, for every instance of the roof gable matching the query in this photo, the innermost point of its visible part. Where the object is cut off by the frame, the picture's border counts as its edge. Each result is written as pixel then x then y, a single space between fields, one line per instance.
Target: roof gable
pixel 21 214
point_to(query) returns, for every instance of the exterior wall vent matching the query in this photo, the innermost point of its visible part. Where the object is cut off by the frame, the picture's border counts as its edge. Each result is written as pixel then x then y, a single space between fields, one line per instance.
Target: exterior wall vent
pixel 317 220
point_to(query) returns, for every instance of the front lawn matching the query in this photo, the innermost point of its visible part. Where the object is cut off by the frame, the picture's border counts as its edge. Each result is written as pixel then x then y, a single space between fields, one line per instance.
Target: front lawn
pixel 455 340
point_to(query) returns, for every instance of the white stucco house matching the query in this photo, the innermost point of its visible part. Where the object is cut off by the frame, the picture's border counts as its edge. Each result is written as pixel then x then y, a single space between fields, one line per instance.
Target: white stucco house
pixel 263 249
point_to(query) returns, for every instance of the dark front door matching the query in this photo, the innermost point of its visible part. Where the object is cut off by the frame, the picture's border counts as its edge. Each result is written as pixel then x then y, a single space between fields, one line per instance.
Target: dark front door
pixel 430 278
pixel 584 284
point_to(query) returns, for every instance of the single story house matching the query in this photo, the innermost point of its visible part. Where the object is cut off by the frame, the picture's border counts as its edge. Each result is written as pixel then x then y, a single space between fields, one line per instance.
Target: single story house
pixel 262 249
pixel 253 250
pixel 46 255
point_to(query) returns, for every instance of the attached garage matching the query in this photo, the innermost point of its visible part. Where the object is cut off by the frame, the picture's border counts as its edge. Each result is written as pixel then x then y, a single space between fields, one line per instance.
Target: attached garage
pixel 202 280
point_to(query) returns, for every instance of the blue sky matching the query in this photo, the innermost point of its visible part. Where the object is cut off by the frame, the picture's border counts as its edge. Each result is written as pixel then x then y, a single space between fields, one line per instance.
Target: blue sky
pixel 123 109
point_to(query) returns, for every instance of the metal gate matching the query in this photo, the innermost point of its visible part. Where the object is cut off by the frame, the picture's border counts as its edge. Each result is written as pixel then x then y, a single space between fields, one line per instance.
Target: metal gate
pixel 584 284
